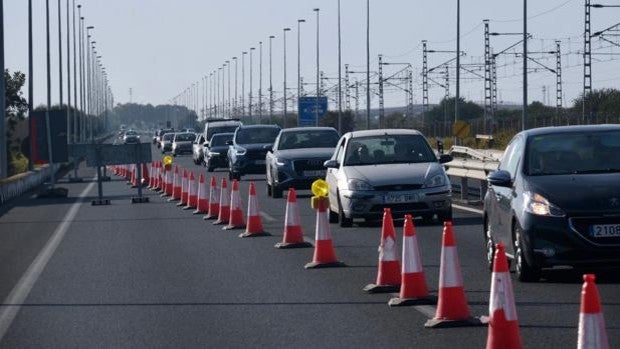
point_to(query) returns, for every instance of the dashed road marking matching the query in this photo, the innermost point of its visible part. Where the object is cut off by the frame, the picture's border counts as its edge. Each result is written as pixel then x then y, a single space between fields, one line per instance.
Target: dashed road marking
pixel 468 209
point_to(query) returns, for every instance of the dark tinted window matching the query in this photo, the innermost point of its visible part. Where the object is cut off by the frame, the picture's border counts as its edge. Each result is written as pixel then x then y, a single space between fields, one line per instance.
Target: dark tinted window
pixel 308 139
pixel 220 129
pixel 219 140
pixel 184 137
pixel 257 135
pixel 388 149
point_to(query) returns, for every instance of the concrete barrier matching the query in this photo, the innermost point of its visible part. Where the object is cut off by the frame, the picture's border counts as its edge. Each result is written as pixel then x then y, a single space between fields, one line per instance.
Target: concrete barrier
pixel 17 185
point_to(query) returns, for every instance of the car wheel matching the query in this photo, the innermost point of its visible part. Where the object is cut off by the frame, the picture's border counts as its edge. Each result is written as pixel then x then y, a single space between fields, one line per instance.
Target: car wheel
pixel 333 216
pixel 428 219
pixel 268 190
pixel 524 271
pixel 444 216
pixel 345 222
pixel 210 168
pixel 489 244
pixel 276 192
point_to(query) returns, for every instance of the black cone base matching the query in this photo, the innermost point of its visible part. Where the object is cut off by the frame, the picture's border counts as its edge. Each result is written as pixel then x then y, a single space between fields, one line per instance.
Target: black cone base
pixel 285 245
pixel 469 322
pixel 407 302
pixel 372 288
pixel 319 265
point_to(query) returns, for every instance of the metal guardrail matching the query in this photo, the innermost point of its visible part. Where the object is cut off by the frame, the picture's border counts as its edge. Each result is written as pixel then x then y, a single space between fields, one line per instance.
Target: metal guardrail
pixel 474 164
pixel 18 185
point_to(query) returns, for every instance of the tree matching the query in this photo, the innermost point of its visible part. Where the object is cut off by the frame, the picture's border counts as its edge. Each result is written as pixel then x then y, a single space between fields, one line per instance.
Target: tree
pixel 445 110
pixel 603 102
pixel 331 120
pixel 16 108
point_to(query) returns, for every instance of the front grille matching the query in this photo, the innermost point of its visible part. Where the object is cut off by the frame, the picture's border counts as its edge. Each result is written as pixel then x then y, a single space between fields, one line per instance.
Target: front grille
pixel 408 208
pixel 398 187
pixel 582 227
pixel 257 155
pixel 308 165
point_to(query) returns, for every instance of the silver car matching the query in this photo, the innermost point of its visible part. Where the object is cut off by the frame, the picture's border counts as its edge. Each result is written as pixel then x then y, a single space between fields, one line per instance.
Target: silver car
pixel 374 169
pixel 182 143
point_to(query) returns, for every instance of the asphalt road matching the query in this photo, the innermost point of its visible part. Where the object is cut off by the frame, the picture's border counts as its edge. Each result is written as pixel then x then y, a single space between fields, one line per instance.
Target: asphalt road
pixel 152 275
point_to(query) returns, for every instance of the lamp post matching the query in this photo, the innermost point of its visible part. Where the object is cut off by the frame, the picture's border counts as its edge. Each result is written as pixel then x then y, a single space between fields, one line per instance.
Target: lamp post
pixel 367 64
pixel 68 77
pixel 60 56
pixel 271 37
pixel 243 82
pixel 30 92
pixel 339 74
pixel 75 98
pixel 88 81
pixel 251 74
pixel 235 106
pixel 229 104
pixel 82 89
pixel 284 40
pixel 260 82
pixel 318 83
pixel 524 113
pixel 457 97
pixel 3 150
pixel 299 21
pixel 49 96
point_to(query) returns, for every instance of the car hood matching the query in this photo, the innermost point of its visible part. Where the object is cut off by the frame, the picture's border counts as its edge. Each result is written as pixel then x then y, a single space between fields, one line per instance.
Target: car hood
pixel 307 153
pixel 256 147
pixel 219 149
pixel 579 193
pixel 390 174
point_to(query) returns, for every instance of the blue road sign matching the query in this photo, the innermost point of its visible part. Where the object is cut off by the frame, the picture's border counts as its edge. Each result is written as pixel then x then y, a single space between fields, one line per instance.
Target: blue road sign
pixel 307 110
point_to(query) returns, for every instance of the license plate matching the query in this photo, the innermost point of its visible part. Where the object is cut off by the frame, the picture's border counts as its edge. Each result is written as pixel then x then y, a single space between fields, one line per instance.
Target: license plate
pixel 605 230
pixel 399 198
pixel 317 173
pixel 259 162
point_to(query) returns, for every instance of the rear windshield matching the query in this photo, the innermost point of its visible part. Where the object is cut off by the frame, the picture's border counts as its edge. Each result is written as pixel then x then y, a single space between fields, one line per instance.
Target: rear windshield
pixel 219 140
pixel 308 139
pixel 388 149
pixel 257 135
pixel 168 136
pixel 220 129
pixel 185 137
pixel 573 153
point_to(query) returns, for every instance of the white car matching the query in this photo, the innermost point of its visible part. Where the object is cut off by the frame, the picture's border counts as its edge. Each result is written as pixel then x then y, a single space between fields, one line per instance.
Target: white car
pixel 388 168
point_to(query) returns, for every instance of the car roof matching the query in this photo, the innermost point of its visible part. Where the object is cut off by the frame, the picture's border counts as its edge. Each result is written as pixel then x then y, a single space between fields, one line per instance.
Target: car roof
pixel 569 129
pixel 380 132
pixel 313 128
pixel 258 126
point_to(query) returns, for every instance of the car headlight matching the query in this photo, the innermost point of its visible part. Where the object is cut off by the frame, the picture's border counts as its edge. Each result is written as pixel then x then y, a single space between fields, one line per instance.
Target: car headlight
pixel 358 184
pixel 281 162
pixel 241 151
pixel 538 205
pixel 437 180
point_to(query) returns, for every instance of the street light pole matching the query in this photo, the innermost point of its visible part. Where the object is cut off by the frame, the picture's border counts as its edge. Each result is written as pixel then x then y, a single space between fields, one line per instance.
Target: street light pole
pixel 251 74
pixel 60 56
pixel 68 78
pixel 524 114
pixel 76 112
pixel 49 97
pixel 318 83
pixel 229 104
pixel 30 92
pixel 368 64
pixel 299 21
pixel 339 73
pixel 284 39
pixel 457 97
pixel 260 82
pixel 271 37
pixel 82 107
pixel 3 150
pixel 235 106
pixel 243 82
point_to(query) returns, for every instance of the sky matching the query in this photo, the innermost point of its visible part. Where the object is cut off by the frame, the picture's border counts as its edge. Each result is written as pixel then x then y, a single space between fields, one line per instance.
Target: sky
pixel 159 48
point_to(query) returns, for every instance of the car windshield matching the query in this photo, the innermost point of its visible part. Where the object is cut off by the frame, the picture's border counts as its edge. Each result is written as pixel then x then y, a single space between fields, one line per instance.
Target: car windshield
pixel 168 136
pixel 308 139
pixel 131 133
pixel 388 149
pixel 256 135
pixel 184 137
pixel 220 129
pixel 573 153
pixel 220 139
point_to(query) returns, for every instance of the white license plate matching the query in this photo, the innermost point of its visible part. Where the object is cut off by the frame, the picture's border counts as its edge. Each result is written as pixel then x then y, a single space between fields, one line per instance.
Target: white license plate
pixel 259 162
pixel 605 230
pixel 317 173
pixel 399 198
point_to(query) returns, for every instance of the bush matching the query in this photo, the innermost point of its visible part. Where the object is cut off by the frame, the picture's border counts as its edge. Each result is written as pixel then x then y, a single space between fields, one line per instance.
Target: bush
pixel 18 163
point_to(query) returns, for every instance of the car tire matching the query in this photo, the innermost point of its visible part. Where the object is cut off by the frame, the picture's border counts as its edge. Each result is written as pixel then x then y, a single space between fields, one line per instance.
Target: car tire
pixel 333 216
pixel 345 222
pixel 525 272
pixel 268 186
pixel 210 169
pixel 276 192
pixel 489 244
pixel 444 216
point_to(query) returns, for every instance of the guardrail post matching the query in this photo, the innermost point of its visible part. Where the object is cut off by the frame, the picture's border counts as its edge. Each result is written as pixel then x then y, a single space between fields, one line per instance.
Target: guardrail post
pixel 464 188
pixel 484 185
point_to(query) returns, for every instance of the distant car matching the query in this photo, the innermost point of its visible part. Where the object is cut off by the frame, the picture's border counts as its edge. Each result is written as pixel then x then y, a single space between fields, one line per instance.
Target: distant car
pixel 155 136
pixel 166 142
pixel 376 169
pixel 248 149
pixel 216 154
pixel 131 136
pixel 160 134
pixel 297 158
pixel 182 143
pixel 213 126
pixel 555 200
pixel 198 149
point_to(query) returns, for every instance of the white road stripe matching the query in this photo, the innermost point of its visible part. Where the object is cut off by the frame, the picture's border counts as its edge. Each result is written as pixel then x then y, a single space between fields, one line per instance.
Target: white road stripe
pixel 266 216
pixel 468 209
pixel 12 304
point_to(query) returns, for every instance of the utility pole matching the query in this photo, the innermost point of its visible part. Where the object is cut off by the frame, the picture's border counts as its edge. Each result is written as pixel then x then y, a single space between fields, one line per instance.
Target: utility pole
pixel 558 80
pixel 488 81
pixel 410 99
pixel 381 105
pixel 339 73
pixel 271 37
pixel 3 150
pixel 424 80
pixel 524 115
pixel 457 97
pixel 318 87
pixel 586 106
pixel 368 64
pixel 260 82
pixel 347 92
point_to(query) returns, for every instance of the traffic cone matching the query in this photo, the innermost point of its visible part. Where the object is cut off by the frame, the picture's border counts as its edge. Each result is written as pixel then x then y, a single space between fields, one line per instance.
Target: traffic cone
pixel 151 181
pixel 388 274
pixel 157 180
pixel 452 308
pixel 592 333
pixel 503 323
pixel 202 203
pixel 192 193
pixel 254 227
pixel 324 254
pixel 166 187
pixel 145 175
pixel 184 192
pixel 413 288
pixel 176 185
pixel 134 176
pixel 224 212
pixel 293 234
pixel 214 201
pixel 235 219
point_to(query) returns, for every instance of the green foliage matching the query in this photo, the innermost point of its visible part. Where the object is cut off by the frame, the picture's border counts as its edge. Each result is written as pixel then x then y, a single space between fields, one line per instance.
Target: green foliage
pixel 16 108
pixel 445 110
pixel 331 120
pixel 146 116
pixel 17 162
pixel 603 102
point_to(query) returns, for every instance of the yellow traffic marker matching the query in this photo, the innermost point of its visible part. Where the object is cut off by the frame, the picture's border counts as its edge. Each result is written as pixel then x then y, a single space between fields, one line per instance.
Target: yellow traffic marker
pixel 320 189
pixel 167 160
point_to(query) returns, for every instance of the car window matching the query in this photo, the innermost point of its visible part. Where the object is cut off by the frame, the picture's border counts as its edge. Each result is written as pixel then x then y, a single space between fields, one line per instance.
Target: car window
pixel 220 139
pixel 168 136
pixel 256 135
pixel 220 129
pixel 512 156
pixel 339 152
pixel 388 149
pixel 308 139
pixel 184 137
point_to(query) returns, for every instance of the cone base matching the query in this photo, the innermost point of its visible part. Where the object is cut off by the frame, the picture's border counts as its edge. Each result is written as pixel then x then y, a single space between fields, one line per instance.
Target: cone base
pixel 407 302
pixel 199 212
pixel 233 227
pixel 209 217
pixel 319 265
pixel 373 288
pixel 188 208
pixel 173 199
pixel 180 204
pixel 287 245
pixel 444 323
pixel 139 200
pixel 219 221
pixel 253 235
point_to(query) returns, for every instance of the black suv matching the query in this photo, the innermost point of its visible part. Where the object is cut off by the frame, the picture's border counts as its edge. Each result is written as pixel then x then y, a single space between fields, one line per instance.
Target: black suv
pixel 248 149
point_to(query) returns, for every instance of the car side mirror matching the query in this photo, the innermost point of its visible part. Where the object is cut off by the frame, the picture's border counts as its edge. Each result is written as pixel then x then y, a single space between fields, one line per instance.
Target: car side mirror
pixel 444 158
pixel 331 164
pixel 500 178
pixel 229 142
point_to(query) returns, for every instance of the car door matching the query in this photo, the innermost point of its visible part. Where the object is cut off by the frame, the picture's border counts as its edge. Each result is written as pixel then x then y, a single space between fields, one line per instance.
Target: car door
pixel 504 196
pixel 332 174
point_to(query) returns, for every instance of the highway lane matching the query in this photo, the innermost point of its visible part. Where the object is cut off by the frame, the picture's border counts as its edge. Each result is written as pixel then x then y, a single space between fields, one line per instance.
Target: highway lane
pixel 153 275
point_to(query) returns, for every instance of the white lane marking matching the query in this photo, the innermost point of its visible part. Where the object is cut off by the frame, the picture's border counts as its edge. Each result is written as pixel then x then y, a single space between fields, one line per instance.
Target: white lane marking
pixel 428 310
pixel 468 209
pixel 12 303
pixel 266 216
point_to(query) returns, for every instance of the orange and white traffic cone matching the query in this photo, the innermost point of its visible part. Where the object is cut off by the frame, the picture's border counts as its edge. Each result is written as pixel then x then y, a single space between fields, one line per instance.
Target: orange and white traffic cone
pixel 184 192
pixel 324 254
pixel 153 176
pixel 592 333
pixel 388 273
pixel 202 203
pixel 176 185
pixel 452 308
pixel 134 176
pixel 166 187
pixel 158 170
pixel 214 201
pixel 254 228
pixel 145 175
pixel 503 323
pixel 293 234
pixel 235 219
pixel 413 288
pixel 192 192
pixel 224 212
